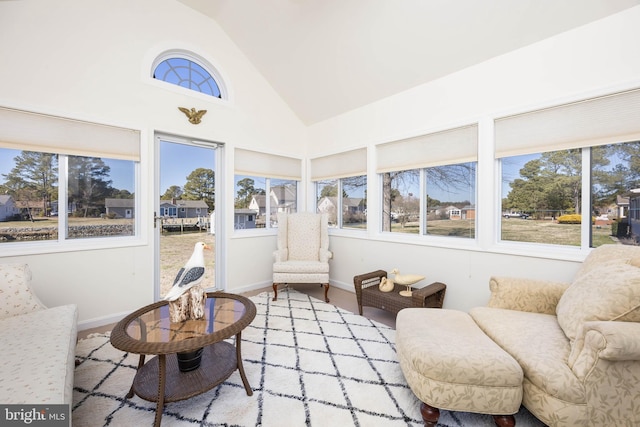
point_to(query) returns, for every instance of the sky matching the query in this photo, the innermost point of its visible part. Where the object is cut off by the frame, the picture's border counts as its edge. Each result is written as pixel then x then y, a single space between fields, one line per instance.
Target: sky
pixel 177 161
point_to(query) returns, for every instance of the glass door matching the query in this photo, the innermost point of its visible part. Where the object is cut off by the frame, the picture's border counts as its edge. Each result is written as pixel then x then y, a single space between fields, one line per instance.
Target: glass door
pixel 185 208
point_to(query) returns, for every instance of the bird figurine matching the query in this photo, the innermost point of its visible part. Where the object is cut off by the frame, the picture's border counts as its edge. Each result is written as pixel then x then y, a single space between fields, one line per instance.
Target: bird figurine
pixel 386 285
pixel 189 275
pixel 195 116
pixel 406 280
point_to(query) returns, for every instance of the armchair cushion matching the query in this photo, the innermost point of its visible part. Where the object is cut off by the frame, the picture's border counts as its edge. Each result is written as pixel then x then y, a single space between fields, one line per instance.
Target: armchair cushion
pixel 301 267
pixel 611 292
pixel 16 295
pixel 538 345
pixel 303 245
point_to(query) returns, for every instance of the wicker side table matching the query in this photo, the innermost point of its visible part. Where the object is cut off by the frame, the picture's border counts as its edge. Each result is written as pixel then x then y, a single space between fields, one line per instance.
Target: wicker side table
pixel 369 294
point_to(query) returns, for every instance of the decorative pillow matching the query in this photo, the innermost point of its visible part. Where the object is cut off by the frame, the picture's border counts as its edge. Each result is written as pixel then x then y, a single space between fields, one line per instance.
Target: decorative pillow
pixel 611 292
pixel 16 296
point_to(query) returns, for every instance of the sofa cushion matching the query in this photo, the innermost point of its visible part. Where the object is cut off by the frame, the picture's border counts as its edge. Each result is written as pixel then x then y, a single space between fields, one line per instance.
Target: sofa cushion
pixel 609 292
pixel 16 296
pixel 538 344
pixel 37 353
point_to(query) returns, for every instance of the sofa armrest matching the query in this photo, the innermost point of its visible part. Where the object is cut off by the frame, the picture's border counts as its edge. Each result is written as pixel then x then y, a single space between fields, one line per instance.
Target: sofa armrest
pixel 536 296
pixel 604 340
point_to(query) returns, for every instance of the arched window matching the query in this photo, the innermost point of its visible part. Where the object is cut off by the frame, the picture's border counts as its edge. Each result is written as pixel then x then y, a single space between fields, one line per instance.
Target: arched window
pixel 190 72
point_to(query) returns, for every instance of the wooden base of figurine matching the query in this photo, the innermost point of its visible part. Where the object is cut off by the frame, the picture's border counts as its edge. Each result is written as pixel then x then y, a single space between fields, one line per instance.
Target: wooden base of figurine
pixel 189 306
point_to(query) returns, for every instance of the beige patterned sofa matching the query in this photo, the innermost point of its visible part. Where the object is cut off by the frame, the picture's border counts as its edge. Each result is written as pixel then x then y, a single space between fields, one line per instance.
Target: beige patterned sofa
pixel 578 344
pixel 37 347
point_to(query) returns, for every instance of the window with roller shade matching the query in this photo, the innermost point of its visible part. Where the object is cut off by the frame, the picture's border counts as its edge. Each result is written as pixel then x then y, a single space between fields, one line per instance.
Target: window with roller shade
pixel 428 183
pixel 265 184
pixel 567 170
pixel 341 188
pixel 66 179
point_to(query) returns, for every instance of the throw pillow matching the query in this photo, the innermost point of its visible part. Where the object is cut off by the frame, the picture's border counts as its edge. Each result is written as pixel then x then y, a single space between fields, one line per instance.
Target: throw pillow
pixel 611 292
pixel 16 296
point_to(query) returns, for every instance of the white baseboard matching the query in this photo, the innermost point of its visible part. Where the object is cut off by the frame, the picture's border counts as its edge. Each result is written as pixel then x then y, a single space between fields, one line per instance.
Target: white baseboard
pixel 116 317
pixel 102 321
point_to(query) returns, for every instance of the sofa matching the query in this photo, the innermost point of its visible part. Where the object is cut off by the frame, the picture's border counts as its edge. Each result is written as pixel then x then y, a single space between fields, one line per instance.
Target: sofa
pixel 38 343
pixel 578 343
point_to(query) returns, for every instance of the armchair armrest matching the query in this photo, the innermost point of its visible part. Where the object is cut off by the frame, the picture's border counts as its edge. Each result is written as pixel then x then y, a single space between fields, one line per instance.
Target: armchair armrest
pixel 604 340
pixel 325 255
pixel 536 296
pixel 280 255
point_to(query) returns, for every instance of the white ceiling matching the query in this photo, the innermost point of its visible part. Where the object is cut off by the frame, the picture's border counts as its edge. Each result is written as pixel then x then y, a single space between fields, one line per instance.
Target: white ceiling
pixel 326 57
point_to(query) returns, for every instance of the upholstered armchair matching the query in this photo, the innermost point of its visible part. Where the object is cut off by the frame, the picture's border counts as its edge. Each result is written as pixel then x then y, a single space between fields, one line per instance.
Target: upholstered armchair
pixel 302 254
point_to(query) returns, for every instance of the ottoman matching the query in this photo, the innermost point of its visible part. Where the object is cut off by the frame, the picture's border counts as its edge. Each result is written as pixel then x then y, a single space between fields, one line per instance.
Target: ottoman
pixel 449 363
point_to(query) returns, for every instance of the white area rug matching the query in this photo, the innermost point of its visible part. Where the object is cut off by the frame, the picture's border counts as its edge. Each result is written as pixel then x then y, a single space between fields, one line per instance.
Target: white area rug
pixel 309 363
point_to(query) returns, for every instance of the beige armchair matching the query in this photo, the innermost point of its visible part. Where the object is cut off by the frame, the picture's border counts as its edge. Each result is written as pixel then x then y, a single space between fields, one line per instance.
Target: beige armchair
pixel 302 254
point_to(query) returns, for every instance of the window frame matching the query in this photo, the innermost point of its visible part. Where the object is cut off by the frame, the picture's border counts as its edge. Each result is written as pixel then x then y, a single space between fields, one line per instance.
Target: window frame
pixel 423 214
pixel 69 136
pixel 596 110
pixel 223 87
pixel 340 204
pixel 268 228
pixel 65 243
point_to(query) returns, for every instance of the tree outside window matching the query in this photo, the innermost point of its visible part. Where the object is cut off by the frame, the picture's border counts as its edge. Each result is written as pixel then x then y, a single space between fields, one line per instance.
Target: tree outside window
pixel 545 190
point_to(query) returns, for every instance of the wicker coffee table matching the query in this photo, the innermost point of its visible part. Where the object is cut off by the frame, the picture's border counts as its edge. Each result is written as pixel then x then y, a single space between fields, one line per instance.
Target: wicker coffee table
pixel 369 294
pixel 150 331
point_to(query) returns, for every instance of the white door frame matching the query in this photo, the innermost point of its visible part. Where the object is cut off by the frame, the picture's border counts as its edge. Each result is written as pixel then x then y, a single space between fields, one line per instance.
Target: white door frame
pixel 219 237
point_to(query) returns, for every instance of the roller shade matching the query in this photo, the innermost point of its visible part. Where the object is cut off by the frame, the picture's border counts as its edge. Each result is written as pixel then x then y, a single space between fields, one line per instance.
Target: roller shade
pixel 596 121
pixel 453 146
pixel 340 165
pixel 254 163
pixel 28 131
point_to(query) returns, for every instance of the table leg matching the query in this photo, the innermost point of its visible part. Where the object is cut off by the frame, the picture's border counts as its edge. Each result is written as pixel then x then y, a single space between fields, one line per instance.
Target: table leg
pixel 162 371
pixel 140 364
pixel 247 387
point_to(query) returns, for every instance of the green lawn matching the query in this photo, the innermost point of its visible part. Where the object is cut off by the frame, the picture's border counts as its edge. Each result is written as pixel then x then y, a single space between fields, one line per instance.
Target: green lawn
pixel 515 229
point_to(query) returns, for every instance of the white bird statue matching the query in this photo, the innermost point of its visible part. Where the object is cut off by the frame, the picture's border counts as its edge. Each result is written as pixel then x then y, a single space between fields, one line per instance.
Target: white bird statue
pixel 406 280
pixel 189 275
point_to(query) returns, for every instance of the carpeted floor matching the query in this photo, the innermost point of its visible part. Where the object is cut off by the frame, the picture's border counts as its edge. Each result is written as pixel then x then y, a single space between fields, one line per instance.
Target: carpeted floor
pixel 308 363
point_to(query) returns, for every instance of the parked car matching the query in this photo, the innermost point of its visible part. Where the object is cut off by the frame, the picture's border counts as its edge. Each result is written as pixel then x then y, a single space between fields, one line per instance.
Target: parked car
pixel 516 215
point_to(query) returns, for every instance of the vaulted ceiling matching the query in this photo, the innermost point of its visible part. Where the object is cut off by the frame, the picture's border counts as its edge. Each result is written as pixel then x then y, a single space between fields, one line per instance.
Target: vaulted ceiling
pixel 326 57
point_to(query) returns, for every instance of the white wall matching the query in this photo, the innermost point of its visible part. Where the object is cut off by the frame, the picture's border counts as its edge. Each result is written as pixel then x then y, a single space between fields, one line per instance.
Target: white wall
pixel 90 60
pixel 591 60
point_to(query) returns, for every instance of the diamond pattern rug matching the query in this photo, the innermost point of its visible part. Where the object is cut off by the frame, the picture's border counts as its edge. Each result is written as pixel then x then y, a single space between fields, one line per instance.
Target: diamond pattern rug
pixel 309 363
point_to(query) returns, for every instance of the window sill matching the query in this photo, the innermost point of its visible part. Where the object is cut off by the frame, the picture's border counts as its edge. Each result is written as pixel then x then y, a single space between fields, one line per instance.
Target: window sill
pixel 54 246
